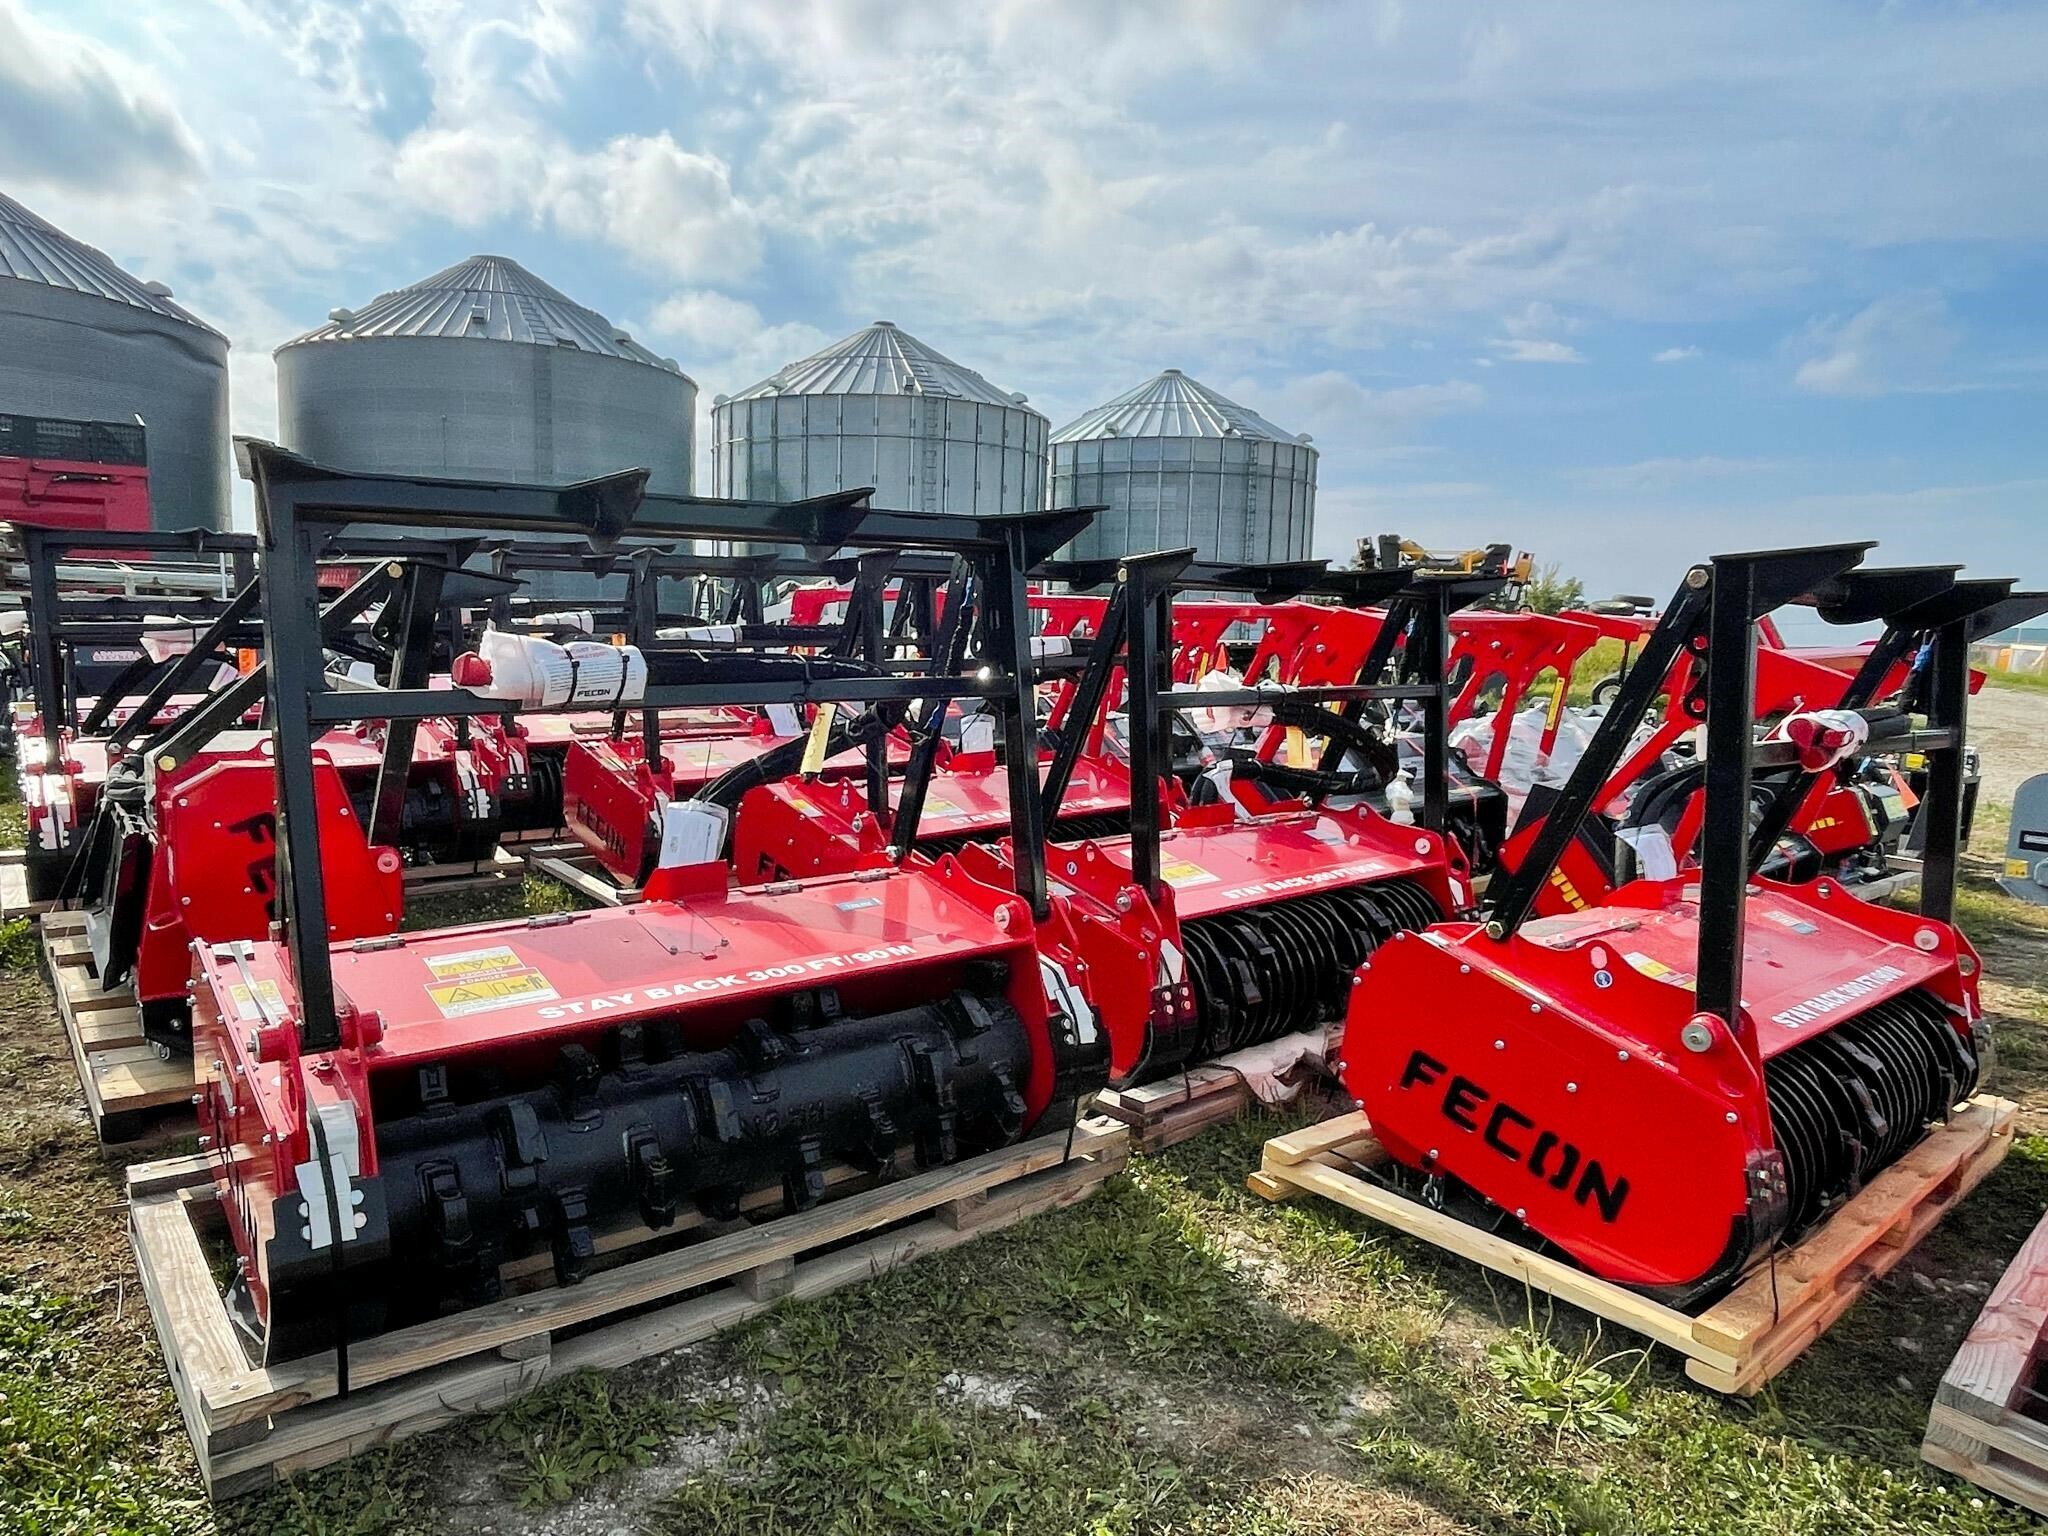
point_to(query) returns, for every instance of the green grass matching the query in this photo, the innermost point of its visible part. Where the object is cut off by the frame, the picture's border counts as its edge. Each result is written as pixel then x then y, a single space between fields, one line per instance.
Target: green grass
pixel 2035 681
pixel 1602 661
pixel 1170 1355
pixel 13 814
pixel 69 1461
pixel 1177 1355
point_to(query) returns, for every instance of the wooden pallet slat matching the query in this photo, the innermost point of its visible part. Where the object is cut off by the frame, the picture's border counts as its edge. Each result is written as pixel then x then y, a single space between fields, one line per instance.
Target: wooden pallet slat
pixel 250 1424
pixel 583 875
pixel 1740 1342
pixel 130 1091
pixel 1175 1108
pixel 1984 1425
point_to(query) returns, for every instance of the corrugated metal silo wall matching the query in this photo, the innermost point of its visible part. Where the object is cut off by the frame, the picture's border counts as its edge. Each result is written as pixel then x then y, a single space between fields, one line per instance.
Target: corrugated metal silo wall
pixel 1233 500
pixel 487 410
pixel 74 355
pixel 918 453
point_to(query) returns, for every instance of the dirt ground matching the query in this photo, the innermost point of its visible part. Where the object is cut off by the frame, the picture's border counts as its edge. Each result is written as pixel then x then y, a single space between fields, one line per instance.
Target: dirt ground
pixel 2009 728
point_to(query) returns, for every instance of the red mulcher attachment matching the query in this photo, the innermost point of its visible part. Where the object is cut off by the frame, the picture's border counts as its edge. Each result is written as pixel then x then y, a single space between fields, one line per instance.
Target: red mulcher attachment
pixel 392 1119
pixel 1256 918
pixel 1674 1081
pixel 182 840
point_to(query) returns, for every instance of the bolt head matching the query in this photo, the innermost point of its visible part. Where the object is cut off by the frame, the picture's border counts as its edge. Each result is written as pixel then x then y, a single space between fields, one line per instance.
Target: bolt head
pixel 1731 1117
pixel 1571 1087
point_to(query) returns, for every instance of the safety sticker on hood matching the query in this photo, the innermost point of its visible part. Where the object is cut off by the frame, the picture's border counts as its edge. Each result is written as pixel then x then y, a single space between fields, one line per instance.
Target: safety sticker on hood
pixel 483 980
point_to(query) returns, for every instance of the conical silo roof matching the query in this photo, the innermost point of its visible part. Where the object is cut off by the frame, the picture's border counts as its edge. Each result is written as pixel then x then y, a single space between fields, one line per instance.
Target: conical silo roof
pixel 1171 405
pixel 881 359
pixel 486 298
pixel 34 250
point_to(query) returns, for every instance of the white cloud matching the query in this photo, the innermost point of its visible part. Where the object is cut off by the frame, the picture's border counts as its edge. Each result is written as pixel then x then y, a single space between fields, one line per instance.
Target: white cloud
pixel 1531 336
pixel 1529 349
pixel 76 115
pixel 1340 412
pixel 668 208
pixel 1676 355
pixel 1899 343
pixel 706 318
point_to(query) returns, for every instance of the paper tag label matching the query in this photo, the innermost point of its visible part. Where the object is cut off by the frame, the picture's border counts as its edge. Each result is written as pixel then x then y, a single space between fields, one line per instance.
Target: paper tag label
pixel 783 720
pixel 692 832
pixel 978 734
pixel 814 748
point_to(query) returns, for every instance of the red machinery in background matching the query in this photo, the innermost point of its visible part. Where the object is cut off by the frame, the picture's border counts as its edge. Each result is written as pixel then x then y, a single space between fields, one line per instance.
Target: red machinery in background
pixel 89 476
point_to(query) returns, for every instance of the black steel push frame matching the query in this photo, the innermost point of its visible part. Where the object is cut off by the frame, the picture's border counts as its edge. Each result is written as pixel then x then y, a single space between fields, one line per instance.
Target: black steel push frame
pixel 1713 619
pixel 300 505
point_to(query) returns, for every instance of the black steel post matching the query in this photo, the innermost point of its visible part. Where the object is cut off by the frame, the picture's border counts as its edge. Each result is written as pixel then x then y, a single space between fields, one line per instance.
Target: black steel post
pixel 1007 613
pixel 1941 808
pixel 45 647
pixel 1428 643
pixel 294 668
pixel 1724 829
pixel 1144 645
pixel 418 606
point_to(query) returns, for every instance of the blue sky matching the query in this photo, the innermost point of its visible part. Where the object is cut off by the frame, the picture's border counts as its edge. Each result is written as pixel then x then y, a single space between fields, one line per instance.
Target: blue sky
pixel 1622 283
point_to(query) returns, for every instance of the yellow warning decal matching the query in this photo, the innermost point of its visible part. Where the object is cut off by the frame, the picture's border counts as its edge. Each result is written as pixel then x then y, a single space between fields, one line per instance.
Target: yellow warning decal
pixel 939 805
pixel 247 1002
pixel 461 998
pixel 479 980
pixel 1179 872
pixel 472 963
pixel 1657 970
pixel 2018 868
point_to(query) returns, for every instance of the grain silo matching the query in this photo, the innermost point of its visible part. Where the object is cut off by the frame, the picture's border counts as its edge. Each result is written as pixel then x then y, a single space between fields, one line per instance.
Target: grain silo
pixel 484 372
pixel 82 341
pixel 881 409
pixel 1176 464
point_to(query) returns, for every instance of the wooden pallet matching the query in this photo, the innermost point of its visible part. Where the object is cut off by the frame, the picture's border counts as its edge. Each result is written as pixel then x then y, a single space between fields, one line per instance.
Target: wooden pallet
pixel 1990 1417
pixel 131 1093
pixel 252 1424
pixel 1747 1337
pixel 502 867
pixel 1186 1104
pixel 14 900
pixel 582 874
